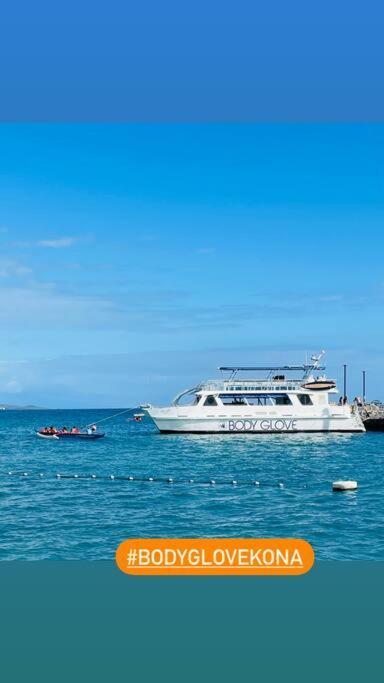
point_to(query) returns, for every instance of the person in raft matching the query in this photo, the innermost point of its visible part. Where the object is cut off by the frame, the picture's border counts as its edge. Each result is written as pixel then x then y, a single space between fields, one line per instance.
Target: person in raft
pixel 75 430
pixel 91 429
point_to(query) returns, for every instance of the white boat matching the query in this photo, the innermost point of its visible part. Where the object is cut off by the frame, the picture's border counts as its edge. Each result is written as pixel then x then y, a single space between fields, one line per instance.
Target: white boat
pixel 274 404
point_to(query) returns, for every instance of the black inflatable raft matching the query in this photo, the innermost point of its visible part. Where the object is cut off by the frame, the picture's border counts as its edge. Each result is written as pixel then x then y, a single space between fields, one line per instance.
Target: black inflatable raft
pixel 70 435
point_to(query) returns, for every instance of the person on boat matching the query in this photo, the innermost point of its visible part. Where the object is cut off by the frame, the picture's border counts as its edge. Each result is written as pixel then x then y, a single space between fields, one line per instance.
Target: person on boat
pixel 44 430
pixel 91 429
pixel 345 400
pixel 75 430
pixel 64 430
pixel 340 401
pixel 52 430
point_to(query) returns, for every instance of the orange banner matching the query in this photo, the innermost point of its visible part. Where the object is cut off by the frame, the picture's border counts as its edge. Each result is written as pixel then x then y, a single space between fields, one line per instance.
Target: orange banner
pixel 215 556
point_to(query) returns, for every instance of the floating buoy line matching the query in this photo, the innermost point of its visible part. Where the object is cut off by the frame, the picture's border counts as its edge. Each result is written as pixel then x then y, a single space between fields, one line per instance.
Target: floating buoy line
pixel 336 486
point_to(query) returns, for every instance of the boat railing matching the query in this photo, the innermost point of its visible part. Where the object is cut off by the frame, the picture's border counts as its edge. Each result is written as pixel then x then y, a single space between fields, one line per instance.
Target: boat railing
pixel 248 385
pixel 213 385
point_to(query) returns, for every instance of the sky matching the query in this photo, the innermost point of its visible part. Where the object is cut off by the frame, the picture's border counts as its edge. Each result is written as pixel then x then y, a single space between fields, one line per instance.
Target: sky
pixel 136 259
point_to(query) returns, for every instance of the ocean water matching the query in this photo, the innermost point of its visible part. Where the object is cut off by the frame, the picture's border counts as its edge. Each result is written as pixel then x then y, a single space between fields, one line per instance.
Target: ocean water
pixel 86 518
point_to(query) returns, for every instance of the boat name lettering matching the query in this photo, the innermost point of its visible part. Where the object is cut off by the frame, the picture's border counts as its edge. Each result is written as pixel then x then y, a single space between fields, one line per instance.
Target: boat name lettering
pixel 262 425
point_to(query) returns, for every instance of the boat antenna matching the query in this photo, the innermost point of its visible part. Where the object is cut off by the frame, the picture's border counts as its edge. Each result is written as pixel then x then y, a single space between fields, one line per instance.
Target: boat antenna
pixel 316 359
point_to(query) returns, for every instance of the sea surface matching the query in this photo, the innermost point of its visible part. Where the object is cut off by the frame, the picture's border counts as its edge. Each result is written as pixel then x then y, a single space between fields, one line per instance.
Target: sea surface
pixel 85 517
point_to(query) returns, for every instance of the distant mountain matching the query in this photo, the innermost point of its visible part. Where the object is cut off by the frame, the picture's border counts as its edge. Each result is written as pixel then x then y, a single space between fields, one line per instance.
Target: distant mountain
pixel 11 406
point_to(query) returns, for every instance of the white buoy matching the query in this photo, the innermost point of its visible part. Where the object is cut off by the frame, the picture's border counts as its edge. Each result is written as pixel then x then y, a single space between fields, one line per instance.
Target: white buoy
pixel 93 476
pixel 169 480
pixel 75 476
pixel 111 476
pixel 234 482
pixel 344 485
pixel 25 474
pixel 191 481
pixel 256 483
pixel 58 476
pixel 9 472
pixel 281 485
pixel 41 475
pixel 130 478
pixel 150 478
pixel 213 482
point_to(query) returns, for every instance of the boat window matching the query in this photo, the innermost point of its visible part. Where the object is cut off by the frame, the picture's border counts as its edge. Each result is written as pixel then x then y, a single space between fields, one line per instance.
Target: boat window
pixel 283 400
pixel 256 399
pixel 210 401
pixel 305 399
pixel 232 399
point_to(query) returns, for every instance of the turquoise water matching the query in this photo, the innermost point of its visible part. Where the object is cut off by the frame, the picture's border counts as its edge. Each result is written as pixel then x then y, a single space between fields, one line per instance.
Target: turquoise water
pixel 86 518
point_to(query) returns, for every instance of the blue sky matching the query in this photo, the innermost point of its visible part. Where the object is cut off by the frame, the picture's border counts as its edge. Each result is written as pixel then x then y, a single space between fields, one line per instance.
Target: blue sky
pixel 135 259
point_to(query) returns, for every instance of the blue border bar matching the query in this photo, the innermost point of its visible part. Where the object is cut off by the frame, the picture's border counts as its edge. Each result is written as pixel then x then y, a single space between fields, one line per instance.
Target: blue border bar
pixel 86 621
pixel 202 61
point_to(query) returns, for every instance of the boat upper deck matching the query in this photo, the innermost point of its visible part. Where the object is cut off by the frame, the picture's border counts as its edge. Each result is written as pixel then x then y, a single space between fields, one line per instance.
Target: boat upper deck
pixel 275 380
pixel 251 385
pixel 272 381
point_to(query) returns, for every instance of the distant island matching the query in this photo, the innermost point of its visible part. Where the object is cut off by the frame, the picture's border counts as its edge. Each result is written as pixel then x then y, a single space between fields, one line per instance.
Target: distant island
pixel 11 406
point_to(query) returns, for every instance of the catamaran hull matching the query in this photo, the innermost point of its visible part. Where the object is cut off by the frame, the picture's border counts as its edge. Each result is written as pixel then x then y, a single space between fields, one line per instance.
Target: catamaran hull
pixel 258 425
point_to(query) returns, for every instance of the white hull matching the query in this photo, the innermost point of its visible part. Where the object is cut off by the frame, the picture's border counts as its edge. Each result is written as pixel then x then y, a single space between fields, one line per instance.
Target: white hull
pixel 257 425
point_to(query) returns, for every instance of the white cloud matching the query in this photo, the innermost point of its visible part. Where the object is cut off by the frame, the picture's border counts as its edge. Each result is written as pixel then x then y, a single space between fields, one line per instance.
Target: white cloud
pixel 13 387
pixel 59 243
pixel 20 244
pixel 205 250
pixel 42 306
pixel 148 238
pixel 331 297
pixel 11 268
